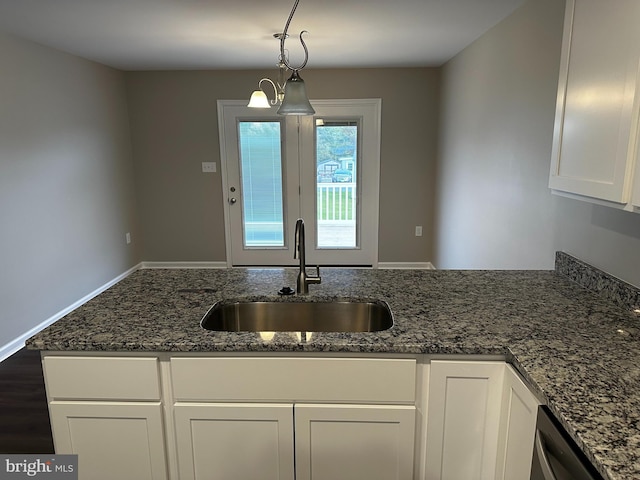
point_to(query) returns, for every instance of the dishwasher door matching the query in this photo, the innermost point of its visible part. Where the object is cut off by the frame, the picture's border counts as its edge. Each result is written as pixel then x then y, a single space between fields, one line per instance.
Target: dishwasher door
pixel 555 454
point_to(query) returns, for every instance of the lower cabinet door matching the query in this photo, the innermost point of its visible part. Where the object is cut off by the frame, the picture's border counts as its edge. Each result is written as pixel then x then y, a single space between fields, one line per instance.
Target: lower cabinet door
pixel 463 420
pixel 354 442
pixel 220 441
pixel 112 439
pixel 517 429
pixel 635 195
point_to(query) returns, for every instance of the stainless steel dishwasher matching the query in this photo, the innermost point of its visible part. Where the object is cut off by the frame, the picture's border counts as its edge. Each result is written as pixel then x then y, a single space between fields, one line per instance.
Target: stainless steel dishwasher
pixel 555 454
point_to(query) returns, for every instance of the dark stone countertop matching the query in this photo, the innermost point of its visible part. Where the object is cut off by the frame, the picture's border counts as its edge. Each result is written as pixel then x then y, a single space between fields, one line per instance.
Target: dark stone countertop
pixel 580 351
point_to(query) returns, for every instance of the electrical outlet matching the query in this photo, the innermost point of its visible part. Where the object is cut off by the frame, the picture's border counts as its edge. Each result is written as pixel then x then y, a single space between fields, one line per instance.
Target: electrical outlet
pixel 127 237
pixel 209 167
pixel 418 230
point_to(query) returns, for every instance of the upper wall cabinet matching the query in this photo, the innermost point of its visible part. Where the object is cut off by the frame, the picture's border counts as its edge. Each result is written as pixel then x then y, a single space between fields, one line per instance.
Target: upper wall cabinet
pixel 596 127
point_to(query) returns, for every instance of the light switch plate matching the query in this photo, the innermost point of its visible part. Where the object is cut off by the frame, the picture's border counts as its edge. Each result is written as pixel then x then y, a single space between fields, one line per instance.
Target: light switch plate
pixel 209 167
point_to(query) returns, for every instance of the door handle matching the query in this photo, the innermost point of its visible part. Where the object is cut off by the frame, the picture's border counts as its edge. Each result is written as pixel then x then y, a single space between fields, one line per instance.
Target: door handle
pixel 545 466
pixel 232 200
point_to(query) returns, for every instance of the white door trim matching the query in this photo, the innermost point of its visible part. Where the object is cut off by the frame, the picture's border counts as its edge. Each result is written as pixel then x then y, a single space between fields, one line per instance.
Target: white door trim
pixel 222 106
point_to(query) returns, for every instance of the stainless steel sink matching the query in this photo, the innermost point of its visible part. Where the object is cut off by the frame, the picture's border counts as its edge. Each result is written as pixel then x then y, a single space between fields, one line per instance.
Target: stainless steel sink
pixel 294 316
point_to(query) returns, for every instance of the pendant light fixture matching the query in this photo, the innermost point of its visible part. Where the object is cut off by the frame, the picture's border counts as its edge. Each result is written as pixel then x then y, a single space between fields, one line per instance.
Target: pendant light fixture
pixel 292 96
pixel 259 98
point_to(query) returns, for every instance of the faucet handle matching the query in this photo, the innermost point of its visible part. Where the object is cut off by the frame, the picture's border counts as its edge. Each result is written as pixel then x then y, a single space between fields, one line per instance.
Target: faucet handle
pixel 315 278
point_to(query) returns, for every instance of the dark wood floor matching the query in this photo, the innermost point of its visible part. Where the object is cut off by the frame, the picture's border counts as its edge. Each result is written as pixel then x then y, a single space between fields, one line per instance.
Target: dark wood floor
pixel 24 417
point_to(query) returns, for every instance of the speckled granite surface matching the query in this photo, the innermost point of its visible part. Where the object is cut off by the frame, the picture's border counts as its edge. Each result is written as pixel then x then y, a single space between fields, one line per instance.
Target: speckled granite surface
pixel 579 350
pixel 606 285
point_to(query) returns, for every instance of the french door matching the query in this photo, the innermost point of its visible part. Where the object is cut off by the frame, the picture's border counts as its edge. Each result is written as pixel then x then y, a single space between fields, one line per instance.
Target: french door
pixel 322 168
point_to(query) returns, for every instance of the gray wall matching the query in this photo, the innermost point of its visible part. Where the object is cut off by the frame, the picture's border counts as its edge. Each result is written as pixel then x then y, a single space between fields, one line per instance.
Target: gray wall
pixel 66 183
pixel 494 207
pixel 174 129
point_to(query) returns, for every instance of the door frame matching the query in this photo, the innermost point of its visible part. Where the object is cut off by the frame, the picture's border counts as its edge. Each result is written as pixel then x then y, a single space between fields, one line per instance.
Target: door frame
pixel 374 105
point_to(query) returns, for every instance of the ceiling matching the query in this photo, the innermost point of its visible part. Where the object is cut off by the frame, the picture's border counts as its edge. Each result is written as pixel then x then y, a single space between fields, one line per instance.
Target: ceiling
pixel 238 34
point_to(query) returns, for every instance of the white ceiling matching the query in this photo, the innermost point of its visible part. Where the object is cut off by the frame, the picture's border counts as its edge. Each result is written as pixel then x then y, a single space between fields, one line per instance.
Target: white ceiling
pixel 237 34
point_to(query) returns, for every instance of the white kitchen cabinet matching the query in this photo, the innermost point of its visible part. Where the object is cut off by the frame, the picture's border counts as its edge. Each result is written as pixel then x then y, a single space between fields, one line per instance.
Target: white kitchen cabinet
pixel 517 428
pixel 112 439
pixel 107 410
pixel 290 418
pixel 463 419
pixel 596 127
pixel 237 441
pixel 354 417
pixel 373 442
pixel 234 441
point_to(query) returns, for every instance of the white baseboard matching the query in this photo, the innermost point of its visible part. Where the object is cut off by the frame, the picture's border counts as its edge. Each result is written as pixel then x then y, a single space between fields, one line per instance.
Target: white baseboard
pixel 406 265
pixel 184 264
pixel 18 343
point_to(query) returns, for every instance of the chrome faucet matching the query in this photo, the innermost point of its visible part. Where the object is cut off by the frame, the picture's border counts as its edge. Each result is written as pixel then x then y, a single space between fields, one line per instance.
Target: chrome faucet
pixel 303 281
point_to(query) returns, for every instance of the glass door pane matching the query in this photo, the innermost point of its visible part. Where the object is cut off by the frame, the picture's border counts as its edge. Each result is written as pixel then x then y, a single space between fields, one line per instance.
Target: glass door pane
pixel 336 184
pixel 261 174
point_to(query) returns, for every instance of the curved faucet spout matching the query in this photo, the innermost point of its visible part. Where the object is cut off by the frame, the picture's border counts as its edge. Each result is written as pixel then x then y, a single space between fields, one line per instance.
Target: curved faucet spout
pixel 299 242
pixel 303 280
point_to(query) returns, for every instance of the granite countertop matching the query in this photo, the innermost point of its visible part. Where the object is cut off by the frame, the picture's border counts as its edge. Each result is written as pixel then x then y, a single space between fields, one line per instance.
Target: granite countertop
pixel 580 351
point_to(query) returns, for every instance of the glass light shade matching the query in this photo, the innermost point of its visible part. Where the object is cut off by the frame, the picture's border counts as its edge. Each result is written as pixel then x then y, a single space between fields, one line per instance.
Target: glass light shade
pixel 259 100
pixel 295 100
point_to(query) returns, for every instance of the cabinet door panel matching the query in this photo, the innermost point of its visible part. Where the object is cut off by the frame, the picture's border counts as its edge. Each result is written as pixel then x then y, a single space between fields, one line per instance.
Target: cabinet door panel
pixel 596 111
pixel 270 379
pixel 354 441
pixel 463 420
pixel 517 429
pixel 83 378
pixel 112 440
pixel 234 441
pixel 635 199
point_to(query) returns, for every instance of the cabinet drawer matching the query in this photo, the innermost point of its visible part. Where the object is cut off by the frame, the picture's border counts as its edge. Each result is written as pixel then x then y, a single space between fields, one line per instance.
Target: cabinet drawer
pixel 294 379
pixel 100 378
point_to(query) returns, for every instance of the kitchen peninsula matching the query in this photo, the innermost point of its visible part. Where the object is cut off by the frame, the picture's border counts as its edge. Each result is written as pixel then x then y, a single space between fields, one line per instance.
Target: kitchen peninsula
pixel 579 352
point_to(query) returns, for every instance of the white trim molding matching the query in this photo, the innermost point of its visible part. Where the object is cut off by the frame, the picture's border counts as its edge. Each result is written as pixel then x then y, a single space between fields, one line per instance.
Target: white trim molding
pixel 406 266
pixel 173 265
pixel 19 342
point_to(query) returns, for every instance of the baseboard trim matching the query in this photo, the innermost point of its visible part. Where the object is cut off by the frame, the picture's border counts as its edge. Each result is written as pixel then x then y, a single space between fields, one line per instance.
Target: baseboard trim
pixel 150 265
pixel 19 342
pixel 406 265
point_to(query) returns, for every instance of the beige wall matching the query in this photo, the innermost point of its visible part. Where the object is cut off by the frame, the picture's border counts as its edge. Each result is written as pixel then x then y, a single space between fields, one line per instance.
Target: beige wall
pixel 66 183
pixel 494 207
pixel 174 129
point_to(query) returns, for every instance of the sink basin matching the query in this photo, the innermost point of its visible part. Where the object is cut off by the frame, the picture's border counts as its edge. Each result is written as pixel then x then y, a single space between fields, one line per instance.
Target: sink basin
pixel 296 316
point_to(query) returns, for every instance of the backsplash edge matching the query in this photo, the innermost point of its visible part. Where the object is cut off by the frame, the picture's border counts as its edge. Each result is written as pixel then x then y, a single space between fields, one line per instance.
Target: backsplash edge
pixel 604 284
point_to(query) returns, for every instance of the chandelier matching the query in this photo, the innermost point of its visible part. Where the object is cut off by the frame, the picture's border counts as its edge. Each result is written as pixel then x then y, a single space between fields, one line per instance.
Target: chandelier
pixel 292 94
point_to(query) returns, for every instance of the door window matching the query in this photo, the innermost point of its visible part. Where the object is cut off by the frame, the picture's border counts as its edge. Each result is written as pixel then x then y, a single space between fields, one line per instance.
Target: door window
pixel 336 183
pixel 261 175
